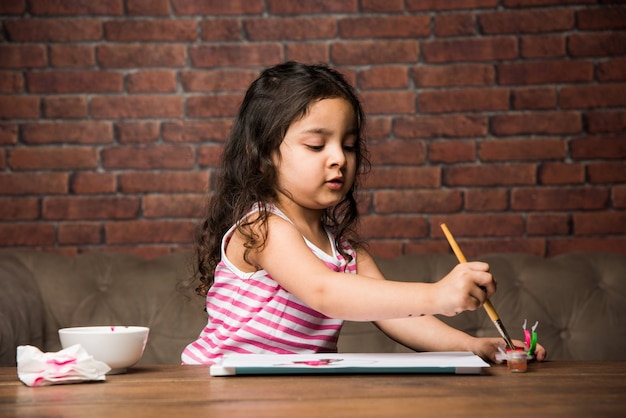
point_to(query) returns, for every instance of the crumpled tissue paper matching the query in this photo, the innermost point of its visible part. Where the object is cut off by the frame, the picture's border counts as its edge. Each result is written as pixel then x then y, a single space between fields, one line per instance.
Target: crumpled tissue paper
pixel 70 365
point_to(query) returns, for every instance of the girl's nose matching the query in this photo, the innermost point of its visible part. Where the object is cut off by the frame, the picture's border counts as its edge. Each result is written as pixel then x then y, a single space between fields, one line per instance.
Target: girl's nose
pixel 337 156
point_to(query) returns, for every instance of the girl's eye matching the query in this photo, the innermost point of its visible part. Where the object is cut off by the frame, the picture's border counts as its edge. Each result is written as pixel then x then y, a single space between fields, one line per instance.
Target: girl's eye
pixel 315 147
pixel 349 148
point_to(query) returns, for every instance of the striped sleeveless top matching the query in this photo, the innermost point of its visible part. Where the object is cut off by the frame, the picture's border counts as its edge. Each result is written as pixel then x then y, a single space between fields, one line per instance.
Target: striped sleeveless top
pixel 252 313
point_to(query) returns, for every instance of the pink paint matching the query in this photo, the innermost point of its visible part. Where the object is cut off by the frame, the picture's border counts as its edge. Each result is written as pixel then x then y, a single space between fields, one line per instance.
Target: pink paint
pixel 112 329
pixel 57 362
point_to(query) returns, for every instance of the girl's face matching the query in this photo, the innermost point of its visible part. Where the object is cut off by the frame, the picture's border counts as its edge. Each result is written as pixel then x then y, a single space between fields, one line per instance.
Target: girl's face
pixel 317 161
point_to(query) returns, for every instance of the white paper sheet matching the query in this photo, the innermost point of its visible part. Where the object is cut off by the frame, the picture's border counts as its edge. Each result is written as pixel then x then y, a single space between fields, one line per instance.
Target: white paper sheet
pixel 333 363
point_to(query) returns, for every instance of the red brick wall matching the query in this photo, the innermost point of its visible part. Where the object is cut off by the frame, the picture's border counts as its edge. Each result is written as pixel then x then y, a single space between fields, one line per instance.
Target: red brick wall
pixel 503 118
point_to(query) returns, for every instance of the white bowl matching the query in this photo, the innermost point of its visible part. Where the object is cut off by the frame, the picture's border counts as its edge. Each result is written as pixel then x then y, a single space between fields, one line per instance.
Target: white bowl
pixel 119 347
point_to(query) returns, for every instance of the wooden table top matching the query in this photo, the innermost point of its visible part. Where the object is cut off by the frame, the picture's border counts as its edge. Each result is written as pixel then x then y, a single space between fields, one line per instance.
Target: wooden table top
pixel 560 389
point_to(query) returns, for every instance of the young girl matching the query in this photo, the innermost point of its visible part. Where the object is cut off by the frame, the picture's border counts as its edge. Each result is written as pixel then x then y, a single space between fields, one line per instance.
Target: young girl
pixel 278 257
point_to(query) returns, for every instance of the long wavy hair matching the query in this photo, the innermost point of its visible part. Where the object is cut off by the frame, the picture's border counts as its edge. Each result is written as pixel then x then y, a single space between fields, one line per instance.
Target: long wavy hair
pixel 279 96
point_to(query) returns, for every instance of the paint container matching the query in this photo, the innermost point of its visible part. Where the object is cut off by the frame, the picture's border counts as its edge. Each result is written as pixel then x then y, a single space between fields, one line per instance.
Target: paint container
pixel 517 360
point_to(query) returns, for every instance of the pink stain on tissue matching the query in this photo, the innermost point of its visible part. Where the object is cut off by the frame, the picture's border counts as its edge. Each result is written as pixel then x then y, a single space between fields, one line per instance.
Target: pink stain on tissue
pixel 112 329
pixel 37 381
pixel 57 362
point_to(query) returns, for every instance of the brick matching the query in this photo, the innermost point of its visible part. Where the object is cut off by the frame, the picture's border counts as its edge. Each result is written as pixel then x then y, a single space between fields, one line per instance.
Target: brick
pixel 8 133
pixel 175 206
pixel 479 225
pixel 606 121
pixel 417 201
pixel 526 21
pixel 472 50
pixel 388 102
pixel 607 172
pixel 12 7
pixel 287 7
pixel 179 30
pixel 388 77
pixel 84 182
pixel 457 24
pixel 223 29
pixel 451 151
pixel 482 200
pixel 54 30
pixel 218 80
pixel 22 56
pixel 140 106
pixel 582 97
pixel 543 46
pixel 378 127
pixel 611 70
pixel 79 207
pixel 308 52
pixel 136 232
pixel 19 208
pixel 149 157
pixel 374 52
pixel 76 7
pixel 19 107
pixel 239 55
pixel 170 182
pixel 431 5
pixel 403 177
pixel 395 226
pixel 151 81
pixel 398 152
pixel 294 29
pixel 141 55
pixel 538 123
pixel 548 224
pixel 561 173
pixel 618 196
pixel 415 26
pixel 53 158
pixel 211 106
pixel 534 98
pixel 544 72
pixel 72 56
pixel 24 234
pixel 597 44
pixel 137 132
pixel 202 7
pixel 522 149
pixel 11 82
pixel 559 199
pixel 454 75
pixel 74 82
pixel 609 223
pixel 447 126
pixel 64 107
pixel 33 183
pixel 601 19
pixel 80 233
pixel 600 147
pixel 79 132
pixel 489 175
pixel 534 3
pixel 558 246
pixel 210 156
pixel 216 130
pixel 148 7
pixel 463 100
pixel 475 248
pixel 378 6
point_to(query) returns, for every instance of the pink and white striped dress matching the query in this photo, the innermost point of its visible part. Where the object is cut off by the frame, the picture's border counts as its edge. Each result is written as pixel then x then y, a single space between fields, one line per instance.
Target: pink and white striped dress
pixel 252 313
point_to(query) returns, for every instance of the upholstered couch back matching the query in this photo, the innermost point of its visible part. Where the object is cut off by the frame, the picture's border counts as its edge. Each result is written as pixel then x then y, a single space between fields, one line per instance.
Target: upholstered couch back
pixel 578 299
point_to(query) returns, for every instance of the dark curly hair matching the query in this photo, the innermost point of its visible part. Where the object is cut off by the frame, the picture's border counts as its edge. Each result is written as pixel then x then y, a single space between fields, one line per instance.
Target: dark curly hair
pixel 281 95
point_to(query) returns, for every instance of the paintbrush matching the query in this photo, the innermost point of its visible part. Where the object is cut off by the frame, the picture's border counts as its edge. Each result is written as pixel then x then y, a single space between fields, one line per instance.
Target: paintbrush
pixel 491 311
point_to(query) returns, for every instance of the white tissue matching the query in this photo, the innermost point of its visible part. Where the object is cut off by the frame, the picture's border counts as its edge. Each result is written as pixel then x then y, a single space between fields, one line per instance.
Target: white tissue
pixel 70 365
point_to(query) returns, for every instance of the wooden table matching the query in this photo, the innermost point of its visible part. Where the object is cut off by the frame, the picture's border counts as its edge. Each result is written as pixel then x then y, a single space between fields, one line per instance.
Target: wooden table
pixel 562 389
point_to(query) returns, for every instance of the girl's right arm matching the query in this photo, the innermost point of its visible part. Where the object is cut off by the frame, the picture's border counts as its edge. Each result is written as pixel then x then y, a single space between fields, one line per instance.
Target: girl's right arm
pixel 359 297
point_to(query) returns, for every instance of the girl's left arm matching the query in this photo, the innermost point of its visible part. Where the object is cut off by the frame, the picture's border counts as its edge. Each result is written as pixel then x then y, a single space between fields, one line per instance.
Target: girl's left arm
pixel 428 333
